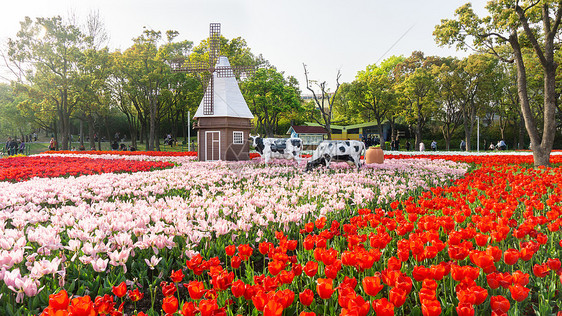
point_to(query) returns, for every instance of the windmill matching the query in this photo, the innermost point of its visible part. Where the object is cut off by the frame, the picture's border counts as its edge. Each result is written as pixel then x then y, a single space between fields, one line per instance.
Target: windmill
pixel 208 69
pixel 223 117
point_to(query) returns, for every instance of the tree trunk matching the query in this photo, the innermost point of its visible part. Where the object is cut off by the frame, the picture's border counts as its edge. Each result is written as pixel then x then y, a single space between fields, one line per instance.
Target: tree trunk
pixel 418 132
pixel 91 132
pixel 81 133
pixel 152 125
pixel 133 132
pixel 107 132
pixel 64 130
pixel 521 132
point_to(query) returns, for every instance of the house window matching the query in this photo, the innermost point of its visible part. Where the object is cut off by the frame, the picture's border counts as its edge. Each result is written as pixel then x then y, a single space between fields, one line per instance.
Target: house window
pixel 238 138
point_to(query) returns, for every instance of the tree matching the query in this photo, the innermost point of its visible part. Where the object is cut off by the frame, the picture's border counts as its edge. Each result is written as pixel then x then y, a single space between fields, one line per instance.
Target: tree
pixel 517 25
pixel 12 121
pixel 478 86
pixel 374 90
pixel 270 96
pixel 50 49
pixel 182 91
pixel 324 103
pixel 145 73
pixel 418 90
pixel 449 113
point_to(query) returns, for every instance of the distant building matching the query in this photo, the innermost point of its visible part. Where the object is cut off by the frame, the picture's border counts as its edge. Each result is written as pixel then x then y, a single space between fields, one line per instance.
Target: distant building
pixel 358 131
pixel 310 135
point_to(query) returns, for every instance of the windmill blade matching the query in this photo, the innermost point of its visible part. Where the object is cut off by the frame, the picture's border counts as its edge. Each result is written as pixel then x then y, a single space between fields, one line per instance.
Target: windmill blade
pixel 208 98
pixel 214 43
pixel 227 71
pixel 190 67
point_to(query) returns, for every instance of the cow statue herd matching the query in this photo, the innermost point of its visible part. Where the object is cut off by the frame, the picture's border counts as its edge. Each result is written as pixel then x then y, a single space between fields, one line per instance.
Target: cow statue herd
pixel 328 151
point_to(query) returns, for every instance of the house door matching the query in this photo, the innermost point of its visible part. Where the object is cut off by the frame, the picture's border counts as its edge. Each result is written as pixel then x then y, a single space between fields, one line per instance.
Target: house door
pixel 212 145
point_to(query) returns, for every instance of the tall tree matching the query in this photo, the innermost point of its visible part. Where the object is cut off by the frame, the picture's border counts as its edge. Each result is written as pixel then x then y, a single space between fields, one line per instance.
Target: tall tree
pixel 323 102
pixel 418 89
pixel 270 95
pixel 449 113
pixel 374 90
pixel 479 84
pixel 516 24
pixel 145 73
pixel 51 49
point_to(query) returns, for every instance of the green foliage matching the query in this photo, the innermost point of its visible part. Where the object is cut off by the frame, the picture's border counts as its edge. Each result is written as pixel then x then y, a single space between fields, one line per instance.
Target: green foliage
pixel 372 95
pixel 272 97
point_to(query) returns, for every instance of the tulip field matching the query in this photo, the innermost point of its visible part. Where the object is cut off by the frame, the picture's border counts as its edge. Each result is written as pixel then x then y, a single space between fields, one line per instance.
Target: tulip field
pixel 144 233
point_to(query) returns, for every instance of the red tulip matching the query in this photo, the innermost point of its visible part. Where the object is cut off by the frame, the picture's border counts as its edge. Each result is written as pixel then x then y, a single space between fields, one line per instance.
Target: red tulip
pixel 285 297
pixel 245 251
pixel 480 294
pixel 324 288
pixel 481 239
pixel 483 260
pixel 397 296
pixel 82 305
pixel 421 273
pixel 275 266
pixel 273 308
pixel 264 247
pixel 541 270
pixel 196 289
pixel 358 306
pixel 208 307
pixel 438 271
pixel 518 292
pixel 306 297
pixel 235 262
pixel 311 268
pixel 465 309
pixel 554 264
pixel 188 309
pixel 286 277
pixel 331 271
pixel 492 280
pixel 431 308
pixel 230 250
pixel 177 276
pixel 135 295
pixel 238 288
pixel 60 300
pixel 119 290
pixel 320 223
pixel 499 303
pixel 260 300
pixel 520 278
pixel 372 285
pixel 168 289
pixel 170 304
pixel 383 307
pixel 510 256
pixel 430 295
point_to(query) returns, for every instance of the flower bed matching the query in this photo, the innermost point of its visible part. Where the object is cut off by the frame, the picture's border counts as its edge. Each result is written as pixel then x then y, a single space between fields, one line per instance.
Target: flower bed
pixel 488 244
pixel 125 153
pixel 496 159
pixel 24 168
pixel 84 233
pixel 134 153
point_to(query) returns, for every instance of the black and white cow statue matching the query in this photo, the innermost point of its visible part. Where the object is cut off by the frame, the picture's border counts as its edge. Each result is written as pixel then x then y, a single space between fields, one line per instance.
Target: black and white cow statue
pixel 336 150
pixel 281 148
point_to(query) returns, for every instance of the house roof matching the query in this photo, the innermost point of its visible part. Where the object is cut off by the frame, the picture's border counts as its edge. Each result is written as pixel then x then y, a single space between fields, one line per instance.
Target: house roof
pixel 307 129
pixel 348 127
pixel 228 100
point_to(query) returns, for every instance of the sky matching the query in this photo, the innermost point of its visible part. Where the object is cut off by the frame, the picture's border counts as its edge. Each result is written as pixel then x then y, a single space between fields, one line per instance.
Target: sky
pixel 327 35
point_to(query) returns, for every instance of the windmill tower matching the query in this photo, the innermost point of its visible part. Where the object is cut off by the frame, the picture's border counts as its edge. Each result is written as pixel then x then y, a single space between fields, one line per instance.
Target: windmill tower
pixel 223 118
